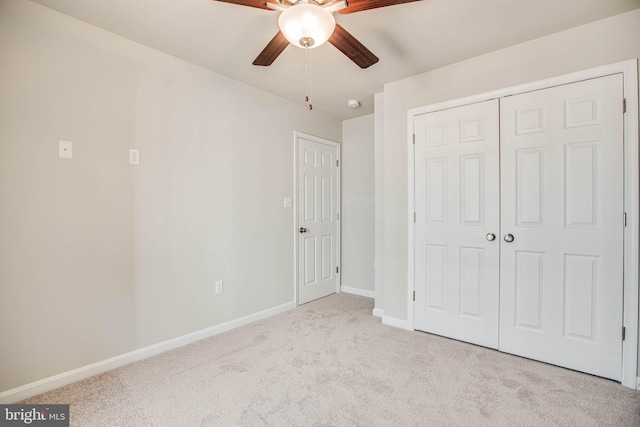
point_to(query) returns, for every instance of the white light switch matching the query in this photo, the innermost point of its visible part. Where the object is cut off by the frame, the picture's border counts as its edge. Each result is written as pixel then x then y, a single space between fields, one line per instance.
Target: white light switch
pixel 65 149
pixel 134 157
pixel 287 202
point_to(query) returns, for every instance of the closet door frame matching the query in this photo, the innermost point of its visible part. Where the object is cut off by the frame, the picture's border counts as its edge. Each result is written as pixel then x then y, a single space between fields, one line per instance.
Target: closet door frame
pixel 629 71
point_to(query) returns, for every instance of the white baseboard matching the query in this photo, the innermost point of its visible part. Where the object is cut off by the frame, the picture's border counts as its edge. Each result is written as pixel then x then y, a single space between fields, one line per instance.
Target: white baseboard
pixel 378 312
pixel 356 291
pixel 65 378
pixel 398 323
pixel 637 383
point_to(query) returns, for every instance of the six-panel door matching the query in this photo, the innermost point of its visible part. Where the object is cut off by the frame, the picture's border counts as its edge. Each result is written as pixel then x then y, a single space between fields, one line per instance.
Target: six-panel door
pixel 317 219
pixel 562 201
pixel 456 260
pixel 557 221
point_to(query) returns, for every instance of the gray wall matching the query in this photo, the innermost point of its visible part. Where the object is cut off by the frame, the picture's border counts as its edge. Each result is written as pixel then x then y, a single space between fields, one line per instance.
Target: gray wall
pixel 611 40
pixel 99 258
pixel 358 204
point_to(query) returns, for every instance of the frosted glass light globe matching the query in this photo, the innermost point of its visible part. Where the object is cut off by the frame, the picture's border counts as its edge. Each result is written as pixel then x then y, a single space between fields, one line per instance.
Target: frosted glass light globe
pixel 306 25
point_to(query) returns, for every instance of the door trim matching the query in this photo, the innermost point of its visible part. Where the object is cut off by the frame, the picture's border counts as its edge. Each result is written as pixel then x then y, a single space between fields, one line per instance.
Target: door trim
pixel 629 71
pixel 296 136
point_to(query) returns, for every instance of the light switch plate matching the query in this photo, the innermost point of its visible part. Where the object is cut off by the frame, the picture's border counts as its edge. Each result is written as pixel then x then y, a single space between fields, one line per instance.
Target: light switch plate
pixel 65 149
pixel 287 202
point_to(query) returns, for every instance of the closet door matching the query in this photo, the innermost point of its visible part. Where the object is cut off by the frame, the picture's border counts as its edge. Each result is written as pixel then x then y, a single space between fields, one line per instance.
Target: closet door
pixel 457 218
pixel 562 225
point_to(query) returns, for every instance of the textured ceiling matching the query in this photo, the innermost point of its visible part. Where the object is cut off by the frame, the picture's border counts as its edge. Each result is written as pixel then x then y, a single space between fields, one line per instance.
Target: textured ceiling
pixel 409 39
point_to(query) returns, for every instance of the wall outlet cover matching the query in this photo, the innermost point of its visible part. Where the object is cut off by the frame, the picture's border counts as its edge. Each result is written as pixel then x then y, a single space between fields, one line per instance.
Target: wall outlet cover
pixel 65 149
pixel 134 157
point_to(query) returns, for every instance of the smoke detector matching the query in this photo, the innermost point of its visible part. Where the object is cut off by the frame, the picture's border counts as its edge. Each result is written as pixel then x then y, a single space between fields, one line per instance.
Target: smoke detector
pixel 353 103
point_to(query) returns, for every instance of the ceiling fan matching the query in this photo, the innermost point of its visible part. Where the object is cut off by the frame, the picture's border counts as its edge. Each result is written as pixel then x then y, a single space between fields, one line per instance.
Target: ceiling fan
pixel 310 23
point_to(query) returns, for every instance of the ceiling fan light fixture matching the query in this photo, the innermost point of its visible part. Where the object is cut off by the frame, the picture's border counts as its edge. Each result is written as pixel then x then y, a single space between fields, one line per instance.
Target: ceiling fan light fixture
pixel 306 25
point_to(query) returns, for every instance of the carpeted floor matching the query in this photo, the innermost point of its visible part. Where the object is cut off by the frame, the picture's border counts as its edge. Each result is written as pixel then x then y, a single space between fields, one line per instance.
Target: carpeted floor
pixel 331 363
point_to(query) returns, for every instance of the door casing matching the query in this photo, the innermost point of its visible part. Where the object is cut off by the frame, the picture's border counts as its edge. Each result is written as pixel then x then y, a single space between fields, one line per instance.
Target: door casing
pixel 629 71
pixel 296 137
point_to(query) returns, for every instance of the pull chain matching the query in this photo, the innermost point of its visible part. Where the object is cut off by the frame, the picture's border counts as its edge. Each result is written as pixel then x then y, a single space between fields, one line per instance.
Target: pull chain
pixel 308 77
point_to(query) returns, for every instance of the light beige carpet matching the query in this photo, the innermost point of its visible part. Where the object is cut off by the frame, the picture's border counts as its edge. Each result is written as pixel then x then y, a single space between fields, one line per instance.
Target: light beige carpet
pixel 331 363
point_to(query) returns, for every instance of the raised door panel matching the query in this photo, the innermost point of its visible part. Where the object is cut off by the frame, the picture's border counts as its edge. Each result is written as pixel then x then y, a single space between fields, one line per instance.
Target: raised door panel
pixel 309 261
pixel 436 277
pixel 472 199
pixel 530 199
pixel 529 269
pixel 580 287
pixel 436 191
pixel 471 281
pixel 581 184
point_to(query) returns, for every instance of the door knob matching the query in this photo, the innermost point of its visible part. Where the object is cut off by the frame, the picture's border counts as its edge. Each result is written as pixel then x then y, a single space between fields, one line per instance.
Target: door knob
pixel 491 237
pixel 303 230
pixel 508 238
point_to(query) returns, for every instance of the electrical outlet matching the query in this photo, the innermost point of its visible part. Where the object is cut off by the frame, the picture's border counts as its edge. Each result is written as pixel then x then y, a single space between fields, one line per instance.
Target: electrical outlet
pixel 219 287
pixel 134 157
pixel 65 149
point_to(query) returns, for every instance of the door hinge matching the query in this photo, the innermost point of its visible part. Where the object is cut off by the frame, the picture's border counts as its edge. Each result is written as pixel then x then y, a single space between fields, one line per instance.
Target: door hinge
pixel 624 333
pixel 337 270
pixel 337 163
pixel 414 139
pixel 625 219
pixel 414 217
pixel 624 105
pixel 414 295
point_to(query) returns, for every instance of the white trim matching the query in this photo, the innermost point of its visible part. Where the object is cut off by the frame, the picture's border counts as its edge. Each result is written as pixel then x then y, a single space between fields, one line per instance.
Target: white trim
pixel 632 231
pixel 629 70
pixel 294 205
pixel 398 323
pixel 605 70
pixel 297 135
pixel 637 383
pixel 360 292
pixel 65 378
pixel 378 312
pixel 411 196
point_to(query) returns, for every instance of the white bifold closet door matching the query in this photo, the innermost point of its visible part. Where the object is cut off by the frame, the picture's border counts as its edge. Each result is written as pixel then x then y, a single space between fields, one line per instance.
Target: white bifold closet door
pixel 457 207
pixel 562 200
pixel 543 173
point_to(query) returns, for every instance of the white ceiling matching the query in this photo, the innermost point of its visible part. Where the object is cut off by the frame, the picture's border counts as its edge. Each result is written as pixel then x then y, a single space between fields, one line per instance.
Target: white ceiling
pixel 409 39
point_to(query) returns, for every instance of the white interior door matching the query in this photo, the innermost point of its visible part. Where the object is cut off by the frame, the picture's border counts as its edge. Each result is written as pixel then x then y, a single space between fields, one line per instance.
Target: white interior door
pixel 457 223
pixel 562 207
pixel 318 210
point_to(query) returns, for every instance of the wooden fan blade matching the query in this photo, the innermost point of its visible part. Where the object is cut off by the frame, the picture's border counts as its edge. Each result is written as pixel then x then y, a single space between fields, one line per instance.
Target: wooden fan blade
pixel 351 47
pixel 272 50
pixel 260 4
pixel 360 5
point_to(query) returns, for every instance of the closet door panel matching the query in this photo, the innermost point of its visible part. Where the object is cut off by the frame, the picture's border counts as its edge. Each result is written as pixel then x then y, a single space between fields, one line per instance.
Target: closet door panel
pixel 562 202
pixel 457 206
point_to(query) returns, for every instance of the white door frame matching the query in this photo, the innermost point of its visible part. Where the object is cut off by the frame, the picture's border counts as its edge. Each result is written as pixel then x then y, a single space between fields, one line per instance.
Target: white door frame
pixel 296 136
pixel 629 70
